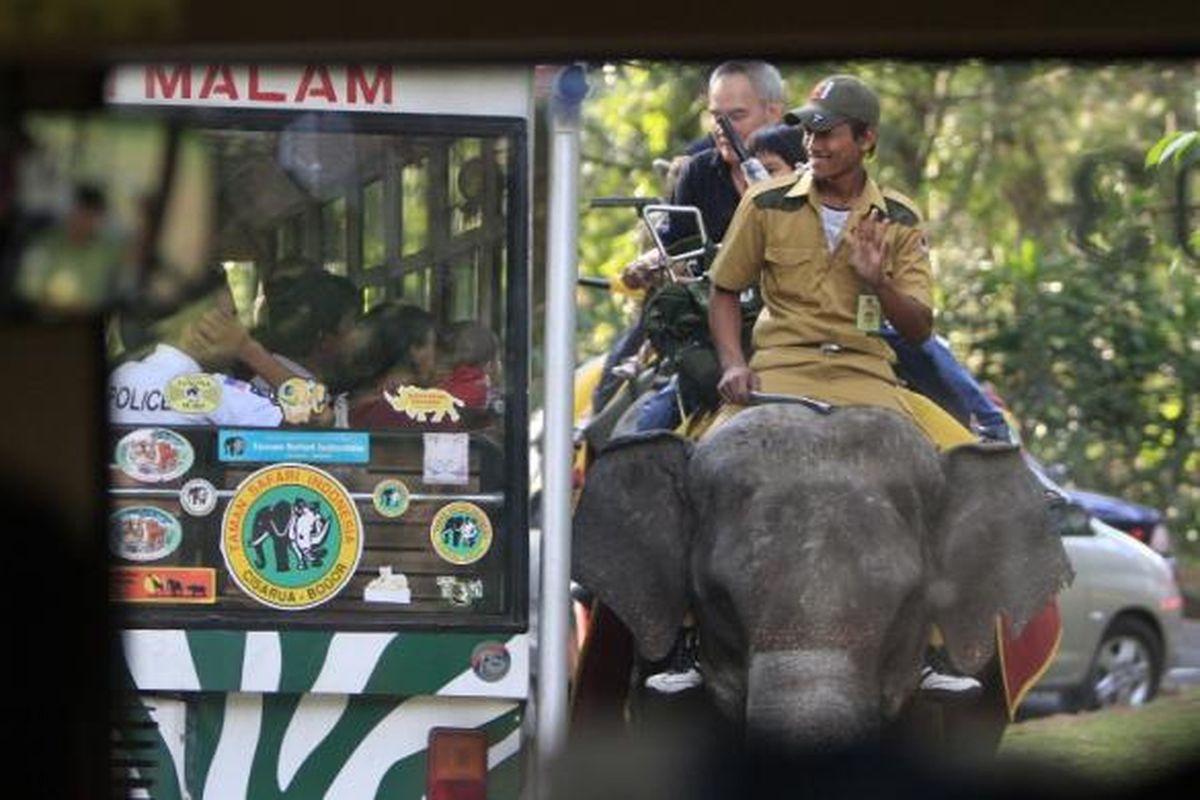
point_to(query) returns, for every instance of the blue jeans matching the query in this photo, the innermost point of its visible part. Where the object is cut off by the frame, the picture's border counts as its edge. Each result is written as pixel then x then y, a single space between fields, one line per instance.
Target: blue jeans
pixel 661 411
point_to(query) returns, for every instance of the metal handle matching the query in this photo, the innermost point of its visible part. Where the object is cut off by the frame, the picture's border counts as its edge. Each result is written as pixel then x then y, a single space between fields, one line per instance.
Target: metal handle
pixel 761 398
pixel 667 258
pixel 623 202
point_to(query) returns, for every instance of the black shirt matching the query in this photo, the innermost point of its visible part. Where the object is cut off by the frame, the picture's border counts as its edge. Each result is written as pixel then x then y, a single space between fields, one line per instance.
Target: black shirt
pixel 704 182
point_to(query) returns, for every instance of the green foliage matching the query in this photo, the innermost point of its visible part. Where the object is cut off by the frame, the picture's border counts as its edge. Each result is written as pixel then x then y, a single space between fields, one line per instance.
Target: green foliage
pixel 1067 274
pixel 1180 148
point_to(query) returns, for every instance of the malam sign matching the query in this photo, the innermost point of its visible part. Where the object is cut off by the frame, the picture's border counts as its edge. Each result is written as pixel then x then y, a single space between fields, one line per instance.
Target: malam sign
pixel 349 87
pixel 471 91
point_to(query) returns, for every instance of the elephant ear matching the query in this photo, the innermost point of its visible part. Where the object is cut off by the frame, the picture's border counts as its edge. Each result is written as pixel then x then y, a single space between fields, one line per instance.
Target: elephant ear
pixel 632 536
pixel 995 550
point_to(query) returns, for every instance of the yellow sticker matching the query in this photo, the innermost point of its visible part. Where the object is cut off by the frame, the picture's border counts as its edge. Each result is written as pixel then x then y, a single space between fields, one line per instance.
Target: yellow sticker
pixel 870 313
pixel 461 533
pixel 195 393
pixel 301 398
pixel 424 405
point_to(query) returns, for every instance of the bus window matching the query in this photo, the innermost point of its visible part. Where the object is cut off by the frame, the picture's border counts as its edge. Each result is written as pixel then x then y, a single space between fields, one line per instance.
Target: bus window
pixel 374 246
pixel 333 236
pixel 245 287
pixel 464 289
pixel 415 216
pixel 352 325
pixel 415 287
pixel 467 182
pixel 289 238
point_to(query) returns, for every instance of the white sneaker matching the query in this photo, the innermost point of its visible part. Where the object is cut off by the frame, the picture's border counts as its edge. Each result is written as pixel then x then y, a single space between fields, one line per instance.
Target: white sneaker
pixel 673 682
pixel 949 687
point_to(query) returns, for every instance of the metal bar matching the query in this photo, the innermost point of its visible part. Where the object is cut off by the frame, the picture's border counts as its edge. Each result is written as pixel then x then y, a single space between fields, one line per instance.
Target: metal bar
pixel 487 499
pixel 570 86
pixel 667 258
pixel 760 398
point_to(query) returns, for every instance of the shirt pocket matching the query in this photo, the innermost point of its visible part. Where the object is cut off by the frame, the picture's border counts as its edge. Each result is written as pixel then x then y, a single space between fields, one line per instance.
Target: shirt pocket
pixel 795 272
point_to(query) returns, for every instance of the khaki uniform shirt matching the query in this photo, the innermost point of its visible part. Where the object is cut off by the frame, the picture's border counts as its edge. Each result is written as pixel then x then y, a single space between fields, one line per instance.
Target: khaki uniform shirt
pixel 811 295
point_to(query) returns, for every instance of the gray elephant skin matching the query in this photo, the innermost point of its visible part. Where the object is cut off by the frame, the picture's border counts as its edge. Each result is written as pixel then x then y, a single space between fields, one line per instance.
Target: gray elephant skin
pixel 815 550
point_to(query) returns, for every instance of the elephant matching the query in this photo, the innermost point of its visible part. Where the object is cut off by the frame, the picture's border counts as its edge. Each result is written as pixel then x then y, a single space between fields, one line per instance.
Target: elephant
pixel 815 550
pixel 271 524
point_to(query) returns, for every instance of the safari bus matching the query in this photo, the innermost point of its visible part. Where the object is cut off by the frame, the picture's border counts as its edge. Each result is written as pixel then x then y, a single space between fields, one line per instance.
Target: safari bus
pixel 317 600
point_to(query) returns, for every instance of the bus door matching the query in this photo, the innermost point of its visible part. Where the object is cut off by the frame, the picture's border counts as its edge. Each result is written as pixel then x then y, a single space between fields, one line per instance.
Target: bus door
pixel 318 452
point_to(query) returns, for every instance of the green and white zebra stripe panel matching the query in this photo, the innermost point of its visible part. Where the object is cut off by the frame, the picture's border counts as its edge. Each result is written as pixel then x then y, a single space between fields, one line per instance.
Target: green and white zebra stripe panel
pixel 295 747
pixel 324 662
pixel 303 714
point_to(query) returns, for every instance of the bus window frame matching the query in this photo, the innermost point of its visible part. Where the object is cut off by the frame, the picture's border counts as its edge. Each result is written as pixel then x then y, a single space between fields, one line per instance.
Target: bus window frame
pixel 514 614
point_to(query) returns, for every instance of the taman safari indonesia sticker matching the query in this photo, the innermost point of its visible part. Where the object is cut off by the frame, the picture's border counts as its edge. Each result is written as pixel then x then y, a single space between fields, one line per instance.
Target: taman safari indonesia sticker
pixel 390 497
pixel 461 533
pixel 291 536
pixel 154 455
pixel 195 393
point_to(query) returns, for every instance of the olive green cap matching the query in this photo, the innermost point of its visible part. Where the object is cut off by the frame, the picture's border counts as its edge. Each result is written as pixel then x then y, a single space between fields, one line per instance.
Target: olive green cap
pixel 834 100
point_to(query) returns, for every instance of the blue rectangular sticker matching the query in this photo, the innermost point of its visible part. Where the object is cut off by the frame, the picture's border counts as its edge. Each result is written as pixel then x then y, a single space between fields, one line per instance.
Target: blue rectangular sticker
pixel 332 447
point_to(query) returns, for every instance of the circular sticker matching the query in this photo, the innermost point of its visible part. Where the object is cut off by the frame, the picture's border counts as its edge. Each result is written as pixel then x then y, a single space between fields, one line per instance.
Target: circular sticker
pixel 196 393
pixel 143 533
pixel 490 661
pixel 154 455
pixel 198 497
pixel 461 533
pixel 291 536
pixel 390 497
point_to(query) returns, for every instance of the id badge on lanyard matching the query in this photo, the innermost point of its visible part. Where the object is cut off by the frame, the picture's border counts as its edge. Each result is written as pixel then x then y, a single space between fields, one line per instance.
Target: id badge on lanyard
pixel 870 314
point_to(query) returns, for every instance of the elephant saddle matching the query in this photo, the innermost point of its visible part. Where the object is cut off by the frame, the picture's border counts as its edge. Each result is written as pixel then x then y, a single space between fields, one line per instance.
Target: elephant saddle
pixel 1024 656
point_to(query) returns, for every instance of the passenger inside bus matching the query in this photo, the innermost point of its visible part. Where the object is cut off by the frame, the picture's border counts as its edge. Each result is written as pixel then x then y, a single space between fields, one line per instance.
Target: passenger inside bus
pixel 161 348
pixel 399 349
pixel 308 318
pixel 470 352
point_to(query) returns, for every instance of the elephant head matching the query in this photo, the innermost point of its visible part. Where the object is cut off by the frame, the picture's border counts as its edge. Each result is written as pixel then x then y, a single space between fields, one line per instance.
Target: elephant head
pixel 816 551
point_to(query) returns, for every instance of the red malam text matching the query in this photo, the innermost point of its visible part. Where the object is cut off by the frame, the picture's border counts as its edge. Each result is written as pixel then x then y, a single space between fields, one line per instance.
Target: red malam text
pixel 316 85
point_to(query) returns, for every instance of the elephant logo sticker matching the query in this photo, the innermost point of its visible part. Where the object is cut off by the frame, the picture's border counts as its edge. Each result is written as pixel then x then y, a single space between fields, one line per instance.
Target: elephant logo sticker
pixel 390 497
pixel 461 533
pixel 198 497
pixel 291 536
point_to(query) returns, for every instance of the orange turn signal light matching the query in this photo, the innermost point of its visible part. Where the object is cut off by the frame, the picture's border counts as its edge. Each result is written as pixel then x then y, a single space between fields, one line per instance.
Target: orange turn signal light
pixel 457 764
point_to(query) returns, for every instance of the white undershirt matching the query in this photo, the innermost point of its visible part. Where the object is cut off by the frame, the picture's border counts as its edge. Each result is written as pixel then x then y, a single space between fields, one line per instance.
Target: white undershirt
pixel 834 222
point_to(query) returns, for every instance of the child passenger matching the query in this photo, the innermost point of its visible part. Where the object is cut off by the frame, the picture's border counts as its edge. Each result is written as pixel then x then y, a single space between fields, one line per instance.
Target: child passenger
pixel 470 352
pixel 780 148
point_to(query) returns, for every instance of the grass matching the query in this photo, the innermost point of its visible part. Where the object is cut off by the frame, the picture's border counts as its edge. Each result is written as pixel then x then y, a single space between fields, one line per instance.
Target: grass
pixel 1115 747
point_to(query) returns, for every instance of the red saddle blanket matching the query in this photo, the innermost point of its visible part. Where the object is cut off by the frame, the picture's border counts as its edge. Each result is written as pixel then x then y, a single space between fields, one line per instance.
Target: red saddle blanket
pixel 1025 656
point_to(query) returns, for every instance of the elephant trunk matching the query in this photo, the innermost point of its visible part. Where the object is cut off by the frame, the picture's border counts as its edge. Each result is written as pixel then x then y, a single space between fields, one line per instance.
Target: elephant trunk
pixel 809 700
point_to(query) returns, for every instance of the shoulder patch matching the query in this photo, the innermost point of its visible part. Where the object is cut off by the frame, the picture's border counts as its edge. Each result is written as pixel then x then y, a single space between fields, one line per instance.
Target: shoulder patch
pixel 901 210
pixel 775 196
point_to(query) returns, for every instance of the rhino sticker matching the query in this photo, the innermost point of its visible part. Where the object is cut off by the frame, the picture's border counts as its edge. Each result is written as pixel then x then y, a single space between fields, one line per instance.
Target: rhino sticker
pixel 424 405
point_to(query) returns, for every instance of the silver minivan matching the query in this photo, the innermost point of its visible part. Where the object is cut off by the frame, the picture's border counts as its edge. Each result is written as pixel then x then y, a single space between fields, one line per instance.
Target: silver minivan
pixel 1120 619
